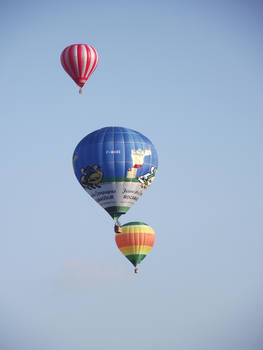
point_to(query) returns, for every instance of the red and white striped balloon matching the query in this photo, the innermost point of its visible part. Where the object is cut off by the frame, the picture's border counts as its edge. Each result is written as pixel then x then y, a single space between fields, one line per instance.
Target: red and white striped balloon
pixel 79 61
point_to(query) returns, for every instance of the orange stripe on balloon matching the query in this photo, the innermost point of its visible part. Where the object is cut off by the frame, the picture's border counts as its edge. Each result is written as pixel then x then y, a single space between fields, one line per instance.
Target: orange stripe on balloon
pixel 134 239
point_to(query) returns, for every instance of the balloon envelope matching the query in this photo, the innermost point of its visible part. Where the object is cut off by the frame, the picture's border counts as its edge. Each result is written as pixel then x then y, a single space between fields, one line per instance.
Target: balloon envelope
pixel 115 166
pixel 79 61
pixel 135 241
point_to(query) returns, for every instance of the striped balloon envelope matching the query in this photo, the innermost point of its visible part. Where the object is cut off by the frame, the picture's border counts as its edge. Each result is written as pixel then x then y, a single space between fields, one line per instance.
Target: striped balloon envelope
pixel 135 241
pixel 115 166
pixel 79 61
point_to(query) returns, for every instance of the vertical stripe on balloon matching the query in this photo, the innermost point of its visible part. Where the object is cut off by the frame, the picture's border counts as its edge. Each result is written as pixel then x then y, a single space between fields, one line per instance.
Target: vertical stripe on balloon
pixel 75 60
pixel 71 61
pixel 84 60
pixel 79 60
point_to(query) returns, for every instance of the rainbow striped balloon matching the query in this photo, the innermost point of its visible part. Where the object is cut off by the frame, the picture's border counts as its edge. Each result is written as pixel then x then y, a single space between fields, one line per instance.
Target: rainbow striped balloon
pixel 135 241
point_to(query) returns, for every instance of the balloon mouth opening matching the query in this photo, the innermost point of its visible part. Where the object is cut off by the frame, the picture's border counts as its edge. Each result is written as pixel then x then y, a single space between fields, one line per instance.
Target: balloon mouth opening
pixel 116 212
pixel 80 83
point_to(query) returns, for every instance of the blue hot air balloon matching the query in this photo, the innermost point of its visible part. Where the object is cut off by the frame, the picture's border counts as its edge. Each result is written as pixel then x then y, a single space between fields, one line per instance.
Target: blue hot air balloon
pixel 115 166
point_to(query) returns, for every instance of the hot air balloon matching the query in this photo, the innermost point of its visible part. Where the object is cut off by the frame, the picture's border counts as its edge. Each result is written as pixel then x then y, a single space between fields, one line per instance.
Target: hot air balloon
pixel 135 241
pixel 79 61
pixel 115 166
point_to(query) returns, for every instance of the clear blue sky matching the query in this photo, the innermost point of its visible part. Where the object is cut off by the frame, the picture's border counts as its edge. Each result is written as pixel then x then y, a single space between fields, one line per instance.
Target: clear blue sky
pixel 188 75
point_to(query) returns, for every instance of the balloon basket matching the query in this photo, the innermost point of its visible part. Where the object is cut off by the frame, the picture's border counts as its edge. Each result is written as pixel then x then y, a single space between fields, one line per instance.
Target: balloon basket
pixel 117 229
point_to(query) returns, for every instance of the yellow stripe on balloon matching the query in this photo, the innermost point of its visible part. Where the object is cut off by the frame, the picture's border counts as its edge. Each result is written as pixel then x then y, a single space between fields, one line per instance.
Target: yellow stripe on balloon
pixel 135 250
pixel 137 229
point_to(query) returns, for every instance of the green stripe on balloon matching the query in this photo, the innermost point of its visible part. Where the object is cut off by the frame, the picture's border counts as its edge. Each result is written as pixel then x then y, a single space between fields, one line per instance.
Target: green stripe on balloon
pixel 118 179
pixel 134 223
pixel 135 259
pixel 116 211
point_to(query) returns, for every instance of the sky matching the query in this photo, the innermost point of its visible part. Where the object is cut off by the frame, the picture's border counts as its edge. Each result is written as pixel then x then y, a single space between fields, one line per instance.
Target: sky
pixel 186 74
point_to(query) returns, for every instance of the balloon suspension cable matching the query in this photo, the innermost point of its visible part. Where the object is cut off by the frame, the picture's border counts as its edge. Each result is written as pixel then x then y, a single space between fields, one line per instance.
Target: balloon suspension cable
pixel 136 270
pixel 80 90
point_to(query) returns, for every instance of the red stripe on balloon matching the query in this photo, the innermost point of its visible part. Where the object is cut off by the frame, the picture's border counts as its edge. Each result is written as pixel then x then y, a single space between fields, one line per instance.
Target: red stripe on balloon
pixel 87 62
pixel 80 60
pixel 72 64
pixel 63 61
